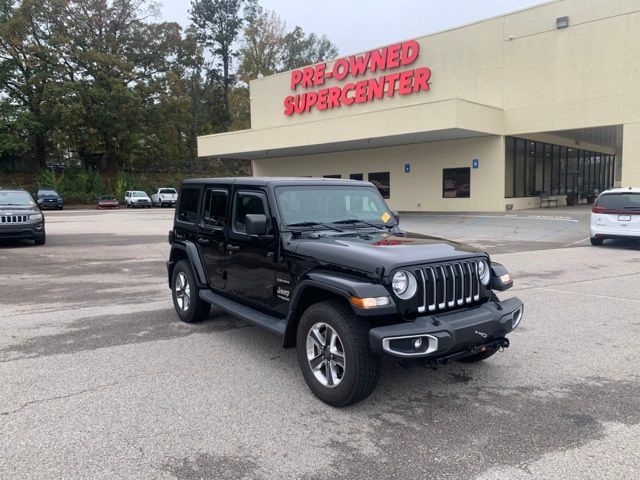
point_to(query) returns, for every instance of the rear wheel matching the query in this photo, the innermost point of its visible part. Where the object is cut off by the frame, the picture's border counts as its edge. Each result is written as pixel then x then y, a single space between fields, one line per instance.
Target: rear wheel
pixel 596 241
pixel 334 354
pixel 186 300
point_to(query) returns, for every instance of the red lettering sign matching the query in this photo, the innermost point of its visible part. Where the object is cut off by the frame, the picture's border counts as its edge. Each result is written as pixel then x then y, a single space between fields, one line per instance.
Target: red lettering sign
pixel 406 82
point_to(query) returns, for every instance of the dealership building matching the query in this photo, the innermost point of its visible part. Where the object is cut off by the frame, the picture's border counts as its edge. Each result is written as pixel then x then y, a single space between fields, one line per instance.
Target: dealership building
pixel 485 117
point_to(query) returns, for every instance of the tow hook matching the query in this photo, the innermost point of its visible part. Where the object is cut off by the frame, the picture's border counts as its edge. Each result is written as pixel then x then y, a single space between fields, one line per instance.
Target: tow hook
pixel 499 345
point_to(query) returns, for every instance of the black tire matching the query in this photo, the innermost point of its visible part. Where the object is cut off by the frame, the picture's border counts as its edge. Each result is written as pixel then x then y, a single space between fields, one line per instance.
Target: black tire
pixel 128 205
pixel 41 240
pixel 197 309
pixel 362 366
pixel 596 242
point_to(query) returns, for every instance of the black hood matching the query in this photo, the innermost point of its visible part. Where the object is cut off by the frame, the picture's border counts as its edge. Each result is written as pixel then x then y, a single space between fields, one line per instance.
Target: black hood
pixel 369 251
pixel 5 209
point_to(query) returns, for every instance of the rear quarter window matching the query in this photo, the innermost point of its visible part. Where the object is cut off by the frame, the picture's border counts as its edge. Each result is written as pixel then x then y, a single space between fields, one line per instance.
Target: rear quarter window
pixel 188 205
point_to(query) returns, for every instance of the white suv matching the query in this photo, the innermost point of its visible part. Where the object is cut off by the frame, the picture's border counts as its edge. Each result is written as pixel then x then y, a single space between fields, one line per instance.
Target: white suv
pixel 616 214
pixel 136 198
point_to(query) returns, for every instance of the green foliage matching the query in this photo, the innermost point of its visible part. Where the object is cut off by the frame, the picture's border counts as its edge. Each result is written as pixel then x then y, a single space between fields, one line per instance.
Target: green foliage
pixel 101 85
pixel 267 48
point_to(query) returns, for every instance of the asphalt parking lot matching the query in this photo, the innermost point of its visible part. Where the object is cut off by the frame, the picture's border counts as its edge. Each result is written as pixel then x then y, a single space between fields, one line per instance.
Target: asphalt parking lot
pixel 100 380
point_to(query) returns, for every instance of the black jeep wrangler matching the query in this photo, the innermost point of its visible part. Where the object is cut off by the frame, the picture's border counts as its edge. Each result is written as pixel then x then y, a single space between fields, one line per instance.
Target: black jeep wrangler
pixel 324 264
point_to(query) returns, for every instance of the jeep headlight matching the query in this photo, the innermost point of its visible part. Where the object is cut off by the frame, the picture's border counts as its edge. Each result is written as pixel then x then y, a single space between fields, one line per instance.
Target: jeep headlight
pixel 484 272
pixel 36 217
pixel 404 284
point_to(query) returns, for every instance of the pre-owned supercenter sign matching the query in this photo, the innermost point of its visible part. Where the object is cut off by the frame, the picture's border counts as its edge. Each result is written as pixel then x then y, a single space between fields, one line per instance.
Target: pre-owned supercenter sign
pixel 387 59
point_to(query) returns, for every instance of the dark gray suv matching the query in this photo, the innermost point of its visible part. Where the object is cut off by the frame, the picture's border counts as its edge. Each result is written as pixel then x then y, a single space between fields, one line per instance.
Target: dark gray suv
pixel 20 217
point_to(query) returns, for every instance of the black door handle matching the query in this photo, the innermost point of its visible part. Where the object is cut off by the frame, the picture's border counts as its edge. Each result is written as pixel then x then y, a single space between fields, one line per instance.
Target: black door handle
pixel 203 241
pixel 233 248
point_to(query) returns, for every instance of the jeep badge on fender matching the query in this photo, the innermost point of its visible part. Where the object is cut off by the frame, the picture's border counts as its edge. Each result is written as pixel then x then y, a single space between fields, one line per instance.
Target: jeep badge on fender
pixel 324 264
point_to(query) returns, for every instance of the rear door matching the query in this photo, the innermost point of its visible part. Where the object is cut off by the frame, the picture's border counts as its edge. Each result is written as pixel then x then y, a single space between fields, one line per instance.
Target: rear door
pixel 251 259
pixel 213 235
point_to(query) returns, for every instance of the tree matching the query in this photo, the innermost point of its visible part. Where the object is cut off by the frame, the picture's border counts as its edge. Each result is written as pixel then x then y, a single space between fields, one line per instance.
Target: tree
pixel 267 47
pixel 219 24
pixel 114 61
pixel 263 45
pixel 301 49
pixel 27 69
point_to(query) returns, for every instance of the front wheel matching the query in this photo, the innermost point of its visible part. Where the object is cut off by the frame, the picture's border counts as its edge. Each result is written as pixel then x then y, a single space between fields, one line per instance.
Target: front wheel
pixel 41 240
pixel 188 304
pixel 334 354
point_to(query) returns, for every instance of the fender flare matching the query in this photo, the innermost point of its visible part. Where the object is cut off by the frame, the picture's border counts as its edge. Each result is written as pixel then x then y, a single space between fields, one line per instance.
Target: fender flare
pixel 340 285
pixel 190 250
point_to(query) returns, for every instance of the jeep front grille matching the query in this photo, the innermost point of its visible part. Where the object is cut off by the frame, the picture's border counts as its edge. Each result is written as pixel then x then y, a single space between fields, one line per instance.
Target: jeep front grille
pixel 14 219
pixel 448 285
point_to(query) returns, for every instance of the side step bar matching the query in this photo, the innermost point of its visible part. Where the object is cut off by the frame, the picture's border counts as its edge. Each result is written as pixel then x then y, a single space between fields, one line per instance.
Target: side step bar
pixel 266 322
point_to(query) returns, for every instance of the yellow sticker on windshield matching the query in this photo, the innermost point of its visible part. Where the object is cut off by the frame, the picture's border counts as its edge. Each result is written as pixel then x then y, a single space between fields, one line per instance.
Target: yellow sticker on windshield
pixel 385 217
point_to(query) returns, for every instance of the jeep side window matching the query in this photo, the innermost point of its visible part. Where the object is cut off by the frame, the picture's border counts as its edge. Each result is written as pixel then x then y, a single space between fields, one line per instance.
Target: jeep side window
pixel 247 203
pixel 215 207
pixel 188 207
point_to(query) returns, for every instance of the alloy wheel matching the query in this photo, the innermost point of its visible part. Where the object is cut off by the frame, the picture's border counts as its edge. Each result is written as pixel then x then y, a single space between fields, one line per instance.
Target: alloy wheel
pixel 325 354
pixel 183 292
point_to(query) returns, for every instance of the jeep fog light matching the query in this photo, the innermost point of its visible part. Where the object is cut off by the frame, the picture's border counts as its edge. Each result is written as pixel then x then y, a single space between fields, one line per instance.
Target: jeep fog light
pixel 404 284
pixel 417 343
pixel 367 303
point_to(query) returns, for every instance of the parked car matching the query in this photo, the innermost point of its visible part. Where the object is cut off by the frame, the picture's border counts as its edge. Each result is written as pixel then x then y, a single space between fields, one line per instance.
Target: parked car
pixel 325 265
pixel 616 214
pixel 165 196
pixel 136 198
pixel 20 217
pixel 107 202
pixel 49 198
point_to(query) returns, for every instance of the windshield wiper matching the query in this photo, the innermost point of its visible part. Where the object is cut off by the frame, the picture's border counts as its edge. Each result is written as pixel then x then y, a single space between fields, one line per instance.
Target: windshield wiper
pixel 353 221
pixel 315 224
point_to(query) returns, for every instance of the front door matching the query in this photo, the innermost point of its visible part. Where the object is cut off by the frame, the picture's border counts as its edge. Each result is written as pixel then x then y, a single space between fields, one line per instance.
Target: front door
pixel 251 259
pixel 212 236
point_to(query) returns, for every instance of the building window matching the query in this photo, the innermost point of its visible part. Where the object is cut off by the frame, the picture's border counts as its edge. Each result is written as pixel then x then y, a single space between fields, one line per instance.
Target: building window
pixel 333 176
pixel 382 181
pixel 356 176
pixel 456 183
pixel 188 205
pixel 532 168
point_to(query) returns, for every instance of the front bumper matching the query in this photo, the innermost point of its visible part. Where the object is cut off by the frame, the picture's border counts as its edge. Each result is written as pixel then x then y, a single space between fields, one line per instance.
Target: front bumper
pixel 50 204
pixel 25 230
pixel 449 335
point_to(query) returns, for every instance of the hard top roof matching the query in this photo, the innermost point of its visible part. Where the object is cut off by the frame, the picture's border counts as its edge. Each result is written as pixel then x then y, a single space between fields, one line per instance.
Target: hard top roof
pixel 273 181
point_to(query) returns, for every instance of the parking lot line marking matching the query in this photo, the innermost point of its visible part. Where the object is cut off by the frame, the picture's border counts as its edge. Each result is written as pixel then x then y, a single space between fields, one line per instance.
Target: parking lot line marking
pixel 608 297
pixel 575 243
pixel 517 217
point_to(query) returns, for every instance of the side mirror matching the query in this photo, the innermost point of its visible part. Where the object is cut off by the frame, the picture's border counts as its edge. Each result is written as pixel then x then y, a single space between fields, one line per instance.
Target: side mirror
pixel 255 224
pixel 396 215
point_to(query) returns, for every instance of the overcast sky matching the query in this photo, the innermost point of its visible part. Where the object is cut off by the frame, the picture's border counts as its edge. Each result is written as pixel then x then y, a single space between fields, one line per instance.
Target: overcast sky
pixel 357 25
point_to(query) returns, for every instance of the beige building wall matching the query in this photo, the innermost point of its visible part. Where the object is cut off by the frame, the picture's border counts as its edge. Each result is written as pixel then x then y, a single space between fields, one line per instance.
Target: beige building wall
pixel 512 75
pixel 420 190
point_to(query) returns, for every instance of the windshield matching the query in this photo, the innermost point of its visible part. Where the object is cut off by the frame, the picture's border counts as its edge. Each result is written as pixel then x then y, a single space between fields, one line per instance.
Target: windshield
pixel 22 199
pixel 48 192
pixel 139 194
pixel 167 191
pixel 308 205
pixel 106 197
pixel 620 201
